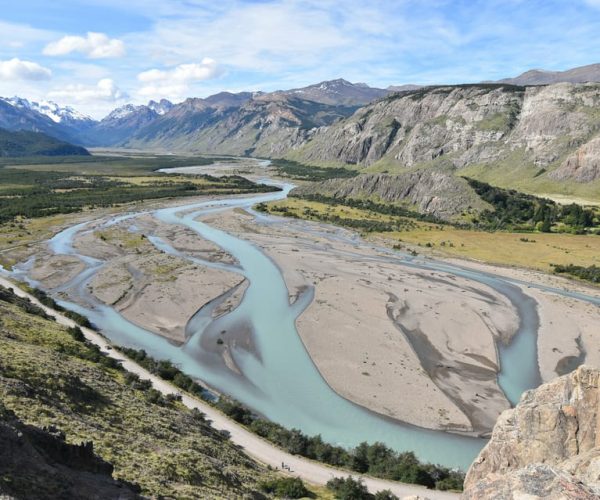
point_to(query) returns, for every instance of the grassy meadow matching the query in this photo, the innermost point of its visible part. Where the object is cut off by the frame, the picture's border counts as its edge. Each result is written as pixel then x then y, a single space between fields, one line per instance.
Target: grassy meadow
pixel 535 250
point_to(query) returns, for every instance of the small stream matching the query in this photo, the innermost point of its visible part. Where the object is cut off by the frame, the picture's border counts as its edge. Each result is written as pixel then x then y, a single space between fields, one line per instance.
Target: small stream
pixel 278 378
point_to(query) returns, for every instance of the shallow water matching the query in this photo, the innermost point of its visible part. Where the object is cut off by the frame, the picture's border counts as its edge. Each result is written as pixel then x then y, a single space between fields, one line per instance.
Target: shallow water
pixel 279 380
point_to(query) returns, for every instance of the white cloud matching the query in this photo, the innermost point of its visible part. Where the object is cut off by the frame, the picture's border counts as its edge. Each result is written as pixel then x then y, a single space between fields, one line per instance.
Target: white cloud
pixel 184 73
pixel 94 45
pixel 15 35
pixel 16 69
pixel 105 90
pixel 175 82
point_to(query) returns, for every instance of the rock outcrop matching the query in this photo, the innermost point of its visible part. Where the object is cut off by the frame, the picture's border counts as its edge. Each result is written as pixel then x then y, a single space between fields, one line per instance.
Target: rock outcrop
pixel 41 464
pixel 581 166
pixel 546 447
pixel 462 126
pixel 429 192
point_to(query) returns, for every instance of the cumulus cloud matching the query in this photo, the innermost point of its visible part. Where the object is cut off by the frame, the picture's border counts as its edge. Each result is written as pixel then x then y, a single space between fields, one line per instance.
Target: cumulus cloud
pixel 105 90
pixel 16 69
pixel 175 82
pixel 93 45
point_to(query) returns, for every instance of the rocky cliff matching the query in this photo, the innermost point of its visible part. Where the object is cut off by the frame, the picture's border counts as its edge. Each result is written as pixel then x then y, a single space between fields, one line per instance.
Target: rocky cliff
pixel 39 463
pixel 583 165
pixel 463 126
pixel 546 447
pixel 430 192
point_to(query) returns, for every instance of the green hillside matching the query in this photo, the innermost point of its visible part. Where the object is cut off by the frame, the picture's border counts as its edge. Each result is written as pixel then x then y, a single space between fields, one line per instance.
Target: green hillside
pixel 24 143
pixel 49 377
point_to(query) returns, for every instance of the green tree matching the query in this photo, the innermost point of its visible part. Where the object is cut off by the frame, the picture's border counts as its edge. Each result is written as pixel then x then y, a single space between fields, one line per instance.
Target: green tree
pixel 348 489
pixel 286 487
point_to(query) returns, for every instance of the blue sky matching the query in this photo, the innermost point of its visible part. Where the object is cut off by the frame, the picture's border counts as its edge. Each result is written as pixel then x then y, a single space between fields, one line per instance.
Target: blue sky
pixel 98 54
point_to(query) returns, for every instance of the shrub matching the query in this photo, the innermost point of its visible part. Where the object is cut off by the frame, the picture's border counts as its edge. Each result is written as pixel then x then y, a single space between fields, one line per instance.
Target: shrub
pixel 76 333
pixel 385 495
pixel 286 487
pixel 348 489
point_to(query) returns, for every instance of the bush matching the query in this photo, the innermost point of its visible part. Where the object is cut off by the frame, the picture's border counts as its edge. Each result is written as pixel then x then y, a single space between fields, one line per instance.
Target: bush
pixel 591 273
pixel 78 318
pixel 348 489
pixel 76 333
pixel 286 487
pixel 385 495
pixel 375 459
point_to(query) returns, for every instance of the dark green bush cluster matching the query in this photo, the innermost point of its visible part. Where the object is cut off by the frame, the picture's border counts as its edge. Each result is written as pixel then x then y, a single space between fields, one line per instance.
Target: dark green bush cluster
pixel 366 204
pixel 88 351
pixel 299 171
pixel 166 370
pixel 515 210
pixel 590 273
pixel 362 224
pixel 10 297
pixel 48 301
pixel 374 459
pixel 352 489
pixel 41 196
pixel 152 395
pixel 348 489
pixel 286 487
pixel 76 333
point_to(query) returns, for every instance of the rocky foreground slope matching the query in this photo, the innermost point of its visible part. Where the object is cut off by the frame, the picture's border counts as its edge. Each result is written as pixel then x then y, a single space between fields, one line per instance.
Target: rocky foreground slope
pixel 50 378
pixel 41 464
pixel 546 447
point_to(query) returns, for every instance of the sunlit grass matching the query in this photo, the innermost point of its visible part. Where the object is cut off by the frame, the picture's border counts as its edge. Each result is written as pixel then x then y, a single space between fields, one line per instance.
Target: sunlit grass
pixel 530 250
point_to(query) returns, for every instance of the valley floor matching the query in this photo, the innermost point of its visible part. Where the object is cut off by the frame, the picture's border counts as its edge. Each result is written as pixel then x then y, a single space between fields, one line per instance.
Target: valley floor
pixel 416 345
pixel 419 346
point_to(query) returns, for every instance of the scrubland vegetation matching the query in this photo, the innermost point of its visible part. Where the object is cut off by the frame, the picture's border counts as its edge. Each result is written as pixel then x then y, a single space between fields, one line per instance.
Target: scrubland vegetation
pixel 50 376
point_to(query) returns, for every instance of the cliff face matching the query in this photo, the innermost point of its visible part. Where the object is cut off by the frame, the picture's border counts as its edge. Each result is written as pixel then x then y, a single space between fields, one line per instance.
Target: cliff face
pixel 583 165
pixel 430 192
pixel 465 125
pixel 552 131
pixel 546 447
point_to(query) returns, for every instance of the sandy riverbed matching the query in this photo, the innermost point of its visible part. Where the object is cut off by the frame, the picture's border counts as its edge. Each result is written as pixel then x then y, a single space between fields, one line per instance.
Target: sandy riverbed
pixel 568 327
pixel 418 346
pixel 154 290
pixel 413 345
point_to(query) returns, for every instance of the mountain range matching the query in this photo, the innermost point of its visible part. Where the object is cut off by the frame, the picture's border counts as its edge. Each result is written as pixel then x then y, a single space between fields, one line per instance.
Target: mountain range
pixel 582 74
pixel 540 127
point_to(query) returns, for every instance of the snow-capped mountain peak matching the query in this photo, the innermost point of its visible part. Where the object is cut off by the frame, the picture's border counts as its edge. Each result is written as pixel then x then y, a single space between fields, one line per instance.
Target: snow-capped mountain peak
pixel 122 112
pixel 162 107
pixel 50 109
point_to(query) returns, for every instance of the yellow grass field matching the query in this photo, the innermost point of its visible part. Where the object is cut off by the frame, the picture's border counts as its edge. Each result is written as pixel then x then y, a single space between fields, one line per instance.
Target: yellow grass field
pixel 504 248
pixel 529 250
